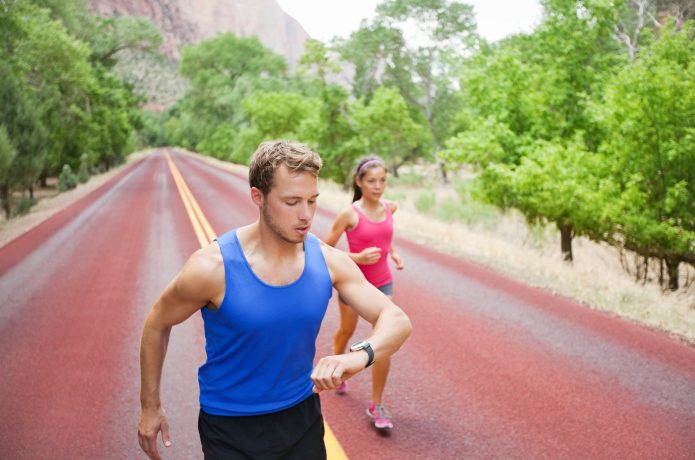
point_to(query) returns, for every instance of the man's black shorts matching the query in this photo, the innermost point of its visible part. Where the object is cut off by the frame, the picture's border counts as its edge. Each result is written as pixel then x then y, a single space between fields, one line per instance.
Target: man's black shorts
pixel 294 433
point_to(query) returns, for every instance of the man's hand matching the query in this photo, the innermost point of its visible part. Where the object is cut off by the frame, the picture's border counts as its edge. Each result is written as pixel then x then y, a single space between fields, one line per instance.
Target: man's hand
pixel 331 371
pixel 367 257
pixel 152 421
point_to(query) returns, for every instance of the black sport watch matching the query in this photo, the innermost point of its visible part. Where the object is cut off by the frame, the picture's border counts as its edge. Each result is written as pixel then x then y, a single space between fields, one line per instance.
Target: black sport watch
pixel 366 346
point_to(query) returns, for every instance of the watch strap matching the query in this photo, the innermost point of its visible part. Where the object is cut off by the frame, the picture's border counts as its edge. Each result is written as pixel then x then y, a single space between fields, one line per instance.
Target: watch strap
pixel 366 346
pixel 370 353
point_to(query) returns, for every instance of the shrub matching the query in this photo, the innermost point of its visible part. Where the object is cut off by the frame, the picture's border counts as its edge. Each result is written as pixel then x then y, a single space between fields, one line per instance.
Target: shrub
pixel 67 179
pixel 425 202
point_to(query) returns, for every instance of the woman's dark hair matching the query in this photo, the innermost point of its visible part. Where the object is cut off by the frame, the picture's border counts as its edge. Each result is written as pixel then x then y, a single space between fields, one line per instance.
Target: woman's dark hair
pixel 364 165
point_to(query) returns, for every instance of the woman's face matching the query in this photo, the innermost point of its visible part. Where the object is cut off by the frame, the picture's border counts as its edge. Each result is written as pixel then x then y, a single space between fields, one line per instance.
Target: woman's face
pixel 373 183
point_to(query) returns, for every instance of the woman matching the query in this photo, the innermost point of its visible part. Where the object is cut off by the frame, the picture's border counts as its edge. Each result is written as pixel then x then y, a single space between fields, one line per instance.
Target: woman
pixel 368 225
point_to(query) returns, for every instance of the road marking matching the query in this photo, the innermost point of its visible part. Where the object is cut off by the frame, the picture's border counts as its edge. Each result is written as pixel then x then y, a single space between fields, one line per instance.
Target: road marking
pixel 201 226
pixel 206 234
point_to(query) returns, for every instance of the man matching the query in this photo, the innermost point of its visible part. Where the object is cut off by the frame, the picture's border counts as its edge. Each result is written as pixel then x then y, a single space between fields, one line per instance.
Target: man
pixel 263 290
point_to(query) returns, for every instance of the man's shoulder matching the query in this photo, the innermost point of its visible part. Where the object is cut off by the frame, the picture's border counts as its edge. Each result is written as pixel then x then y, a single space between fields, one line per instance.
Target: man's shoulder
pixel 335 258
pixel 205 263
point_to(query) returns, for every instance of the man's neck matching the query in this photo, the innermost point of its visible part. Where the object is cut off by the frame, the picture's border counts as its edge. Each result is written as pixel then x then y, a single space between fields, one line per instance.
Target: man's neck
pixel 262 240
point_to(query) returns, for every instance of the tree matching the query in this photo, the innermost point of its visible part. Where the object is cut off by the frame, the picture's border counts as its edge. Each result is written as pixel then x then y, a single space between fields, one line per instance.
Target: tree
pixel 388 130
pixel 528 102
pixel 123 33
pixel 424 72
pixel 649 111
pixel 7 155
pixel 21 117
pixel 223 70
pixel 272 115
pixel 329 129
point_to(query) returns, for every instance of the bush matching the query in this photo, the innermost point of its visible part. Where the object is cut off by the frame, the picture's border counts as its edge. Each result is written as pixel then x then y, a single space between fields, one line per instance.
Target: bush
pixel 398 196
pixel 425 202
pixel 83 172
pixel 67 179
pixel 24 205
pixel 469 213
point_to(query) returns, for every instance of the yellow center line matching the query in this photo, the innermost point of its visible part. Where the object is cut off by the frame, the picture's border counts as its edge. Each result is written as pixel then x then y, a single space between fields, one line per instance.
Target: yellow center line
pixel 197 228
pixel 187 197
pixel 205 235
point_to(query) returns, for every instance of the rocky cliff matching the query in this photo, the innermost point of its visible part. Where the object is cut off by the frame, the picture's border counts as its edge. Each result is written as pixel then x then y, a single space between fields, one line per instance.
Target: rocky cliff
pixel 184 22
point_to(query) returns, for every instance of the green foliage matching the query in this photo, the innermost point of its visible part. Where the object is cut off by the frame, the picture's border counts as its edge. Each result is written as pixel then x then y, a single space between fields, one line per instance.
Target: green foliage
pixel 330 131
pixel 224 71
pixel 317 59
pixel 7 156
pixel 123 33
pixel 24 204
pixel 425 202
pixel 395 195
pixel 387 128
pixel 83 171
pixel 57 104
pixel 67 179
pixel 272 115
pixel 528 126
pixel 423 74
pixel 469 213
pixel 649 114
pixel 410 178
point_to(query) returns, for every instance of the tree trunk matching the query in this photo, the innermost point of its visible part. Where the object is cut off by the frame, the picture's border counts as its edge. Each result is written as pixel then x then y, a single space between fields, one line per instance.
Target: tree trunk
pixel 661 273
pixel 5 198
pixel 672 266
pixel 566 242
pixel 442 169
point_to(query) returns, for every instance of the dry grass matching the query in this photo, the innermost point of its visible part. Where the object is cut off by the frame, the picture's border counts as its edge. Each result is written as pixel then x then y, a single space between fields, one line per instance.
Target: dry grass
pixel 596 278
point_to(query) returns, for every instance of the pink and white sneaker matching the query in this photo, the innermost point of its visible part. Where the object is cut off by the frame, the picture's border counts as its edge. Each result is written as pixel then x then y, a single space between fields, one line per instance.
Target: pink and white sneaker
pixel 342 389
pixel 380 416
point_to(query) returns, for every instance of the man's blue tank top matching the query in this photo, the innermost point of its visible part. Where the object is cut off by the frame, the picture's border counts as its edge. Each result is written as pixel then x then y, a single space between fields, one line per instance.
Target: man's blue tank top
pixel 261 341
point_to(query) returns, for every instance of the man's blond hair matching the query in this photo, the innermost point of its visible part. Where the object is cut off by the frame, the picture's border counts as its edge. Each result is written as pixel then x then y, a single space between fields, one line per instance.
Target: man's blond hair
pixel 270 155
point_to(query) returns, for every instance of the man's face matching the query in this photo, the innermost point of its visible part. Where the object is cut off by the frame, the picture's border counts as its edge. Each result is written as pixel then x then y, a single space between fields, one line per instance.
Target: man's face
pixel 288 208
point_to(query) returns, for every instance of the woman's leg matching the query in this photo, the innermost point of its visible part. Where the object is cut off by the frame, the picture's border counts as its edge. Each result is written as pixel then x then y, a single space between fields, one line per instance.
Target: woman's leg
pixel 380 372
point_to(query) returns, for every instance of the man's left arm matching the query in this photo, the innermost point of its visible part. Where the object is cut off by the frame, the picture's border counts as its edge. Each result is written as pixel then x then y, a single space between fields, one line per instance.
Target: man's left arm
pixel 391 325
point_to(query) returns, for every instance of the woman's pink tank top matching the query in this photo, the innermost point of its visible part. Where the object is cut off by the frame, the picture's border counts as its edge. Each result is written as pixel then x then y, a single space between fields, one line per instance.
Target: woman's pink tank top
pixel 367 234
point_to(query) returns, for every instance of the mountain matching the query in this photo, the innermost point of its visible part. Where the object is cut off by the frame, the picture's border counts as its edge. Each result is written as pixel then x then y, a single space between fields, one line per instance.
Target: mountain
pixel 183 22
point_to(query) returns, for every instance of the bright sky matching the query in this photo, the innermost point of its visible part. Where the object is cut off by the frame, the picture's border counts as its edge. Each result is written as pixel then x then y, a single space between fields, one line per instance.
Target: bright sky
pixel 324 19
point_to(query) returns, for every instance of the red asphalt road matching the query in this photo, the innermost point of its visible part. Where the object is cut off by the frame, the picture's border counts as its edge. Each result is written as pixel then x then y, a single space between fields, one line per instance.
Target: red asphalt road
pixel 494 369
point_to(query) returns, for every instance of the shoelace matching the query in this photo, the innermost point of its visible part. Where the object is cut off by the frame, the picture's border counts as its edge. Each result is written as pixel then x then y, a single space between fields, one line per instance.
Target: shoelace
pixel 381 410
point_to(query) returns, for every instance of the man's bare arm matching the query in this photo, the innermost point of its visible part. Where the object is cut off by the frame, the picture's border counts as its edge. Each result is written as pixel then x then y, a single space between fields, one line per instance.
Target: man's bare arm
pixel 391 325
pixel 200 281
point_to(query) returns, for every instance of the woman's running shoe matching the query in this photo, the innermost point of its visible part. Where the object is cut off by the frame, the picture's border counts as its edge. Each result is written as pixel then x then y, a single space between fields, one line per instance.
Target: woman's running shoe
pixel 380 416
pixel 342 388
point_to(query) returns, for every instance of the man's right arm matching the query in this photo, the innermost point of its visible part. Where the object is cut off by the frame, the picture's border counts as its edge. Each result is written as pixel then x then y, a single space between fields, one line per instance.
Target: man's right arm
pixel 200 281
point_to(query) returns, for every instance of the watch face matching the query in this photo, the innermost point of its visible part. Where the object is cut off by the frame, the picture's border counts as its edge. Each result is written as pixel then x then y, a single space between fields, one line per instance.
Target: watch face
pixel 358 346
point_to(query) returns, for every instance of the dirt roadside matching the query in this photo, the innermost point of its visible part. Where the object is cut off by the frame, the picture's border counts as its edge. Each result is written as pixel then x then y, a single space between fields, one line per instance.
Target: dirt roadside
pixel 54 202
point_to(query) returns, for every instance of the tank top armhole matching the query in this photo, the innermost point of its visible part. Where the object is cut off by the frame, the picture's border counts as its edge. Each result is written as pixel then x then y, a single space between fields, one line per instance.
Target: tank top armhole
pixel 387 209
pixel 225 243
pixel 359 214
pixel 317 255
